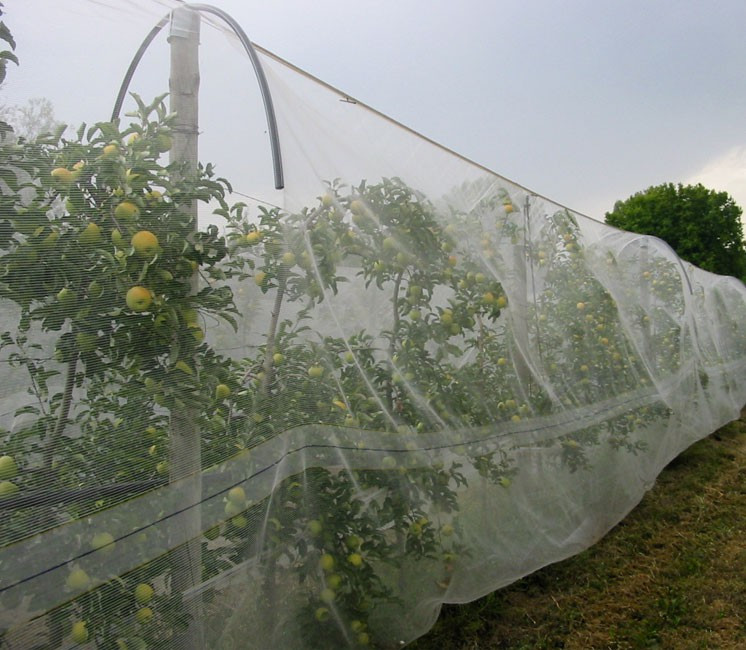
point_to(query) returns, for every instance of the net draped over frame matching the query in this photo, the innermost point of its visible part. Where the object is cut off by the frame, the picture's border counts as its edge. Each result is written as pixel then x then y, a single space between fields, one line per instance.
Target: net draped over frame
pixel 433 382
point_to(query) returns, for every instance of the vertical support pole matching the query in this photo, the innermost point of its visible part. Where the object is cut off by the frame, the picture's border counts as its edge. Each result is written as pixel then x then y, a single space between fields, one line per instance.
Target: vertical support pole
pixel 185 450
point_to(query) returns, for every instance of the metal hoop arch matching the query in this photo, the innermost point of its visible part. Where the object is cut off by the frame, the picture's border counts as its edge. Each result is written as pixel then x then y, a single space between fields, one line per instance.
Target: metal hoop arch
pixel 274 138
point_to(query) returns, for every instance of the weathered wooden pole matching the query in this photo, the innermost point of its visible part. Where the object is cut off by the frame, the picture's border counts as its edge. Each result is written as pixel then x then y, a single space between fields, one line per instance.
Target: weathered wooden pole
pixel 185 458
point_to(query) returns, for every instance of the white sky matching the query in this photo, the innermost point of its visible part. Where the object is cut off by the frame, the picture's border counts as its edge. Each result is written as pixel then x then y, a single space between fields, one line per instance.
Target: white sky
pixel 583 101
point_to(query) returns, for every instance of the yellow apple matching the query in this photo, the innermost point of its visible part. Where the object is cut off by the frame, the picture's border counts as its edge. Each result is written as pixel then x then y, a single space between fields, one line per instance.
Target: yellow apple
pixel 138 298
pixel 63 175
pixel 253 236
pixel 126 210
pixel 145 243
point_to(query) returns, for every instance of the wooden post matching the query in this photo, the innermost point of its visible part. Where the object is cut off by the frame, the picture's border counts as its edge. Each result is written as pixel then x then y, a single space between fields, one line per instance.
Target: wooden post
pixel 185 461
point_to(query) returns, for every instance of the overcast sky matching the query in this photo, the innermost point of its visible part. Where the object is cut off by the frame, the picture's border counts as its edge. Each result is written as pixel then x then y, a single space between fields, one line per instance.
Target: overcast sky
pixel 583 101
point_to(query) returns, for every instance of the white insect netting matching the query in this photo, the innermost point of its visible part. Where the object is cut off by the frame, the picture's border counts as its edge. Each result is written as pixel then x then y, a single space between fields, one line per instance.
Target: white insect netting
pixel 400 381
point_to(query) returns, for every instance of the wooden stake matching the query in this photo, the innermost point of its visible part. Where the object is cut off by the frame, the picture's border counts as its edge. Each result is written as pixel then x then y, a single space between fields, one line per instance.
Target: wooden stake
pixel 185 459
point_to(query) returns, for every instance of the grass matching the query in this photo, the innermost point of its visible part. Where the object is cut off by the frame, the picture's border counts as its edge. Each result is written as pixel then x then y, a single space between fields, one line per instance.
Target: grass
pixel 672 575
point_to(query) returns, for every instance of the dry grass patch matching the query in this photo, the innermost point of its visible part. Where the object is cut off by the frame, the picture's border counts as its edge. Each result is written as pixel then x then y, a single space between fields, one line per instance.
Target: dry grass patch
pixel 672 575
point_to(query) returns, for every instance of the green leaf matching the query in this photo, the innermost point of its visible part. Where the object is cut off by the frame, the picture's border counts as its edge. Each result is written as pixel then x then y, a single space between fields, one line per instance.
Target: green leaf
pixel 5 54
pixel 6 36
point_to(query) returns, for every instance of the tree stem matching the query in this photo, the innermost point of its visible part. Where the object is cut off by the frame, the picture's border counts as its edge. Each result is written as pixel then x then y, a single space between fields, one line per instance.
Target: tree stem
pixel 268 369
pixel 394 338
pixel 62 416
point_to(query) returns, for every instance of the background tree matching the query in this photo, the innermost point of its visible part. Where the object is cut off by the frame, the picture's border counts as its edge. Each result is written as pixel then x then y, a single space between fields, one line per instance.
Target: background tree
pixel 703 226
pixel 32 119
pixel 5 55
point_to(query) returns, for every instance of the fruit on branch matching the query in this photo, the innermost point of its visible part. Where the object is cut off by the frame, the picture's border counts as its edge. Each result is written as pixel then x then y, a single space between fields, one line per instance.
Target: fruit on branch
pixel 315 527
pixel 163 143
pixel 110 150
pixel 91 235
pixel 7 488
pixel 222 391
pixel 326 562
pixel 138 298
pixel 237 495
pixel 145 243
pixel 253 237
pixel 79 632
pixel 103 541
pixel 143 593
pixel 197 332
pixel 86 342
pixel 63 175
pixel 315 372
pixel 327 595
pixel 95 290
pixel 144 615
pixel 8 467
pixel 67 297
pixel 126 210
pixel 78 580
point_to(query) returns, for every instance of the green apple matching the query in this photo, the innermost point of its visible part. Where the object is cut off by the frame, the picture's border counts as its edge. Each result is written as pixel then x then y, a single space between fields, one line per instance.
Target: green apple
pixel 78 580
pixel 237 495
pixel 8 467
pixel 86 342
pixel 103 541
pixel 91 235
pixel 7 488
pixel 315 372
pixel 222 391
pixel 67 297
pixel 143 593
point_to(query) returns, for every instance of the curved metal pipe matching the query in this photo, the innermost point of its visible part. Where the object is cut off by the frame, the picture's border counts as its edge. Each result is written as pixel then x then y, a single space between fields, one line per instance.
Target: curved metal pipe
pixel 133 66
pixel 274 138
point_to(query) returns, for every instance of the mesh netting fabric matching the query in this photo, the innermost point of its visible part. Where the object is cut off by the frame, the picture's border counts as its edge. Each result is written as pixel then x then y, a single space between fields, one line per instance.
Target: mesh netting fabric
pixel 405 381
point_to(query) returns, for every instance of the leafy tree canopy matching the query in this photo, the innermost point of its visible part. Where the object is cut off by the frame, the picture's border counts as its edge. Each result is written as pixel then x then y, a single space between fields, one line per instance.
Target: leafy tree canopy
pixel 6 39
pixel 703 226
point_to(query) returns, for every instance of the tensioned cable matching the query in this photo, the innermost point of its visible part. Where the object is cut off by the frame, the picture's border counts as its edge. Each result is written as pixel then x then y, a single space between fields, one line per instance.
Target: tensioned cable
pixel 354 101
